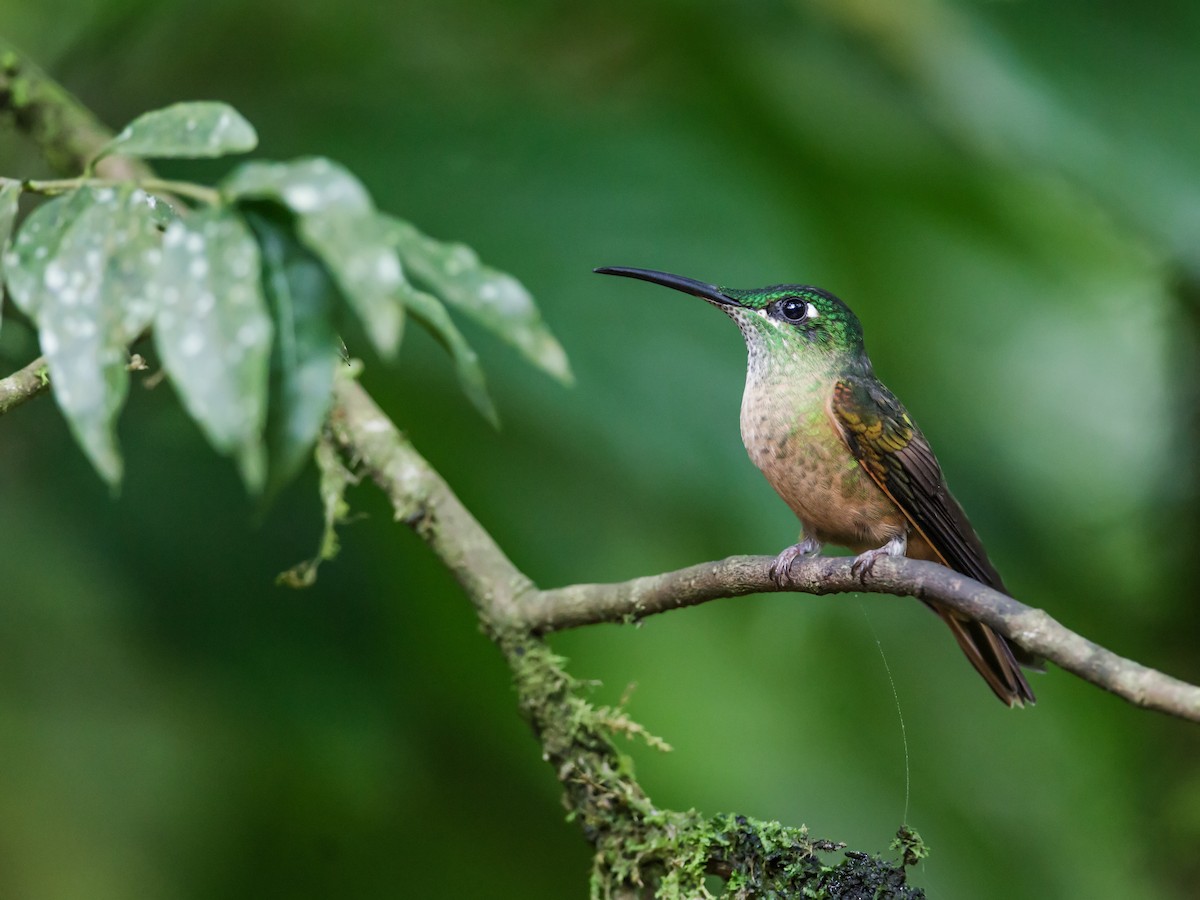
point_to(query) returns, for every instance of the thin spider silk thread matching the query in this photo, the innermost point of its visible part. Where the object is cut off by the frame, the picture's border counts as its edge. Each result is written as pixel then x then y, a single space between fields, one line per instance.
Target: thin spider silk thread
pixel 899 714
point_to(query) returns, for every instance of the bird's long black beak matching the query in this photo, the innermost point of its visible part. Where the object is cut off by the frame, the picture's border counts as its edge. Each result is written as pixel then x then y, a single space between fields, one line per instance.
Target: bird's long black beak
pixel 709 292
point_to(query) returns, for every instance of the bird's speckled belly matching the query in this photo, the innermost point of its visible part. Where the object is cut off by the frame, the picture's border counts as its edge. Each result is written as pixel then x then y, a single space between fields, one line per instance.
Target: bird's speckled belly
pixel 807 463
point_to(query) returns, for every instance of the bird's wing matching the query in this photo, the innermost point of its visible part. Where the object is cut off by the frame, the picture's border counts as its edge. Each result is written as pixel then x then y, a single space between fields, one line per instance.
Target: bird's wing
pixel 892 450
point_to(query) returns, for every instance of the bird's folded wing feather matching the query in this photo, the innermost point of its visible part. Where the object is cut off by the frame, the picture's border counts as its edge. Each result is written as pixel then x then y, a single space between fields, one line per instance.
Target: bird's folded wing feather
pixel 892 450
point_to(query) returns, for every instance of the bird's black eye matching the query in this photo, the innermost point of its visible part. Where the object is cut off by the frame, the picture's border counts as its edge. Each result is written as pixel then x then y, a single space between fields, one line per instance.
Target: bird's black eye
pixel 793 309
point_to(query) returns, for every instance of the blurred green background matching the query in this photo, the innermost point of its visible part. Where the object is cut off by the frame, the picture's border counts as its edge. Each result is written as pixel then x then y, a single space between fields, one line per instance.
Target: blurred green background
pixel 1008 193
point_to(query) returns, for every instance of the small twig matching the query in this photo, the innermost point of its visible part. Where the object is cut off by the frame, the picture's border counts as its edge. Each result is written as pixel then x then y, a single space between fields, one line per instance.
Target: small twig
pixel 24 384
pixel 161 186
pixel 33 380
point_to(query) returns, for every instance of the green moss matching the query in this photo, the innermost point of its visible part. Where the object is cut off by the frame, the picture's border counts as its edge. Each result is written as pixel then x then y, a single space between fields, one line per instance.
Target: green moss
pixel 909 844
pixel 662 853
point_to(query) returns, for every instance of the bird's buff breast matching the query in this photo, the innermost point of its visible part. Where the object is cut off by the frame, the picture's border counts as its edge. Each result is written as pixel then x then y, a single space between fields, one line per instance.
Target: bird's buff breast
pixel 794 442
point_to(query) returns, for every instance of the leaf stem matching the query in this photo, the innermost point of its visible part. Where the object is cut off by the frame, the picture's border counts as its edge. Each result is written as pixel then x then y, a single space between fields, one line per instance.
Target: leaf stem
pixel 192 191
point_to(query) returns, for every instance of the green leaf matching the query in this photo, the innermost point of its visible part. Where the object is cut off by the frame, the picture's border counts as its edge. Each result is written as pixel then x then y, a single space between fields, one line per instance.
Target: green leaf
pixel 28 264
pixel 432 314
pixel 366 268
pixel 305 186
pixel 194 130
pixel 213 332
pixel 336 220
pixel 494 299
pixel 91 300
pixel 10 193
pixel 301 297
pixel 134 250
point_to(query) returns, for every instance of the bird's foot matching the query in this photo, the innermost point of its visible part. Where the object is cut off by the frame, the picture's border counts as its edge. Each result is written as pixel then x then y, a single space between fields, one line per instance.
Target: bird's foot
pixel 864 562
pixel 780 570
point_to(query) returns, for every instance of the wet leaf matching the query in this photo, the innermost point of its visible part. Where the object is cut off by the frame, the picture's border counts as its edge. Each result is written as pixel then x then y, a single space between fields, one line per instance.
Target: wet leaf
pixel 213 332
pixel 301 297
pixel 366 268
pixel 433 315
pixel 28 269
pixel 338 222
pixel 305 186
pixel 101 251
pixel 492 298
pixel 193 130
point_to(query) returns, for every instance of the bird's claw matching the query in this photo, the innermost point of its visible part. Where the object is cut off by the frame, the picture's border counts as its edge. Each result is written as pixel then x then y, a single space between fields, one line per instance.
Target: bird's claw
pixel 780 571
pixel 865 562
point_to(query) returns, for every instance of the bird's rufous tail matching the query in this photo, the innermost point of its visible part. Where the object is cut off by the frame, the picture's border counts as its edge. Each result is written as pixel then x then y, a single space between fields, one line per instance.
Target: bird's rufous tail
pixel 992 657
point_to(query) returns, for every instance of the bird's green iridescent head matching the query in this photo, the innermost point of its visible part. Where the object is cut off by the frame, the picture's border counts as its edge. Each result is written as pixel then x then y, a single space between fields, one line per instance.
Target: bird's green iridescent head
pixel 788 318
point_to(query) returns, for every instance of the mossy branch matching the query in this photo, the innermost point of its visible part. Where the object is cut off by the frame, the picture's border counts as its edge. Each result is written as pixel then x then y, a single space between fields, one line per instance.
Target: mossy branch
pixel 638 846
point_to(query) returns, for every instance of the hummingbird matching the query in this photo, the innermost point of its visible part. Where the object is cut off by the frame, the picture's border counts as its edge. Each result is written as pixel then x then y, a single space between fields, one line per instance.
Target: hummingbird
pixel 845 455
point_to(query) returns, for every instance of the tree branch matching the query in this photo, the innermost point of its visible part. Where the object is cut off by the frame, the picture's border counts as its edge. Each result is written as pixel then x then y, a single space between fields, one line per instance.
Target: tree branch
pixel 1033 629
pixel 507 598
pixel 65 131
pixel 23 384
